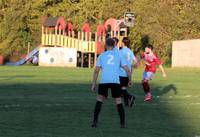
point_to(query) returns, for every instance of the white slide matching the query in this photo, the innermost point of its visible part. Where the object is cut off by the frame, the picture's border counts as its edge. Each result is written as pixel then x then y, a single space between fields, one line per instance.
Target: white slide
pixel 24 60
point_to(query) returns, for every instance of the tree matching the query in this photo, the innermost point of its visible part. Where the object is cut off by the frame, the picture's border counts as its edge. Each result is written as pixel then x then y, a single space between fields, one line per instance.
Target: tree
pixel 158 22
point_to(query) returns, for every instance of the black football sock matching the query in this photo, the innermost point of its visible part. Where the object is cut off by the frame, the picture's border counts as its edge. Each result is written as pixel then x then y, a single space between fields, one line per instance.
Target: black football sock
pixel 121 112
pixel 97 110
pixel 125 95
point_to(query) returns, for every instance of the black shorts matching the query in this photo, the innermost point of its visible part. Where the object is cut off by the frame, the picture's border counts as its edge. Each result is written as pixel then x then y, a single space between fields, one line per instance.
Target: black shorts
pixel 123 81
pixel 115 89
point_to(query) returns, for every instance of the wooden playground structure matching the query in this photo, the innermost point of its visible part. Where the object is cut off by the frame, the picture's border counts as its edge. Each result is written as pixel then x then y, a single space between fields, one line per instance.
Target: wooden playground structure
pixel 57 33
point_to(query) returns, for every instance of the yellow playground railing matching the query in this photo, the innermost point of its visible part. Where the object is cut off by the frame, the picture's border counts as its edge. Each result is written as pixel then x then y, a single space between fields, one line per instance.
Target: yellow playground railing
pixel 69 42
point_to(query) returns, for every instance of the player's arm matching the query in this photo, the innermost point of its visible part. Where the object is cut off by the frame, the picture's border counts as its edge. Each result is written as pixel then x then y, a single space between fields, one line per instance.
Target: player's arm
pixel 163 71
pixel 135 62
pixel 96 73
pixel 95 77
pixel 158 62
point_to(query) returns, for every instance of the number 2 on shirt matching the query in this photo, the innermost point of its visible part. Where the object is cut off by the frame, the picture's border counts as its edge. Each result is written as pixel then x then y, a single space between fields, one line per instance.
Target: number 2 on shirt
pixel 110 59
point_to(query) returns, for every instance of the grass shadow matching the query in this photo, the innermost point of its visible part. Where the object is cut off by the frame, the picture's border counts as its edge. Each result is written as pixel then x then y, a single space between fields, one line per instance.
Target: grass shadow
pixel 65 110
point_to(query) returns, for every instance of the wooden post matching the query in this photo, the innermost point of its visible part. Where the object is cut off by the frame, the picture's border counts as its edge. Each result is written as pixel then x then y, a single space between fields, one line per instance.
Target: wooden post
pixel 79 35
pixel 56 36
pixel 95 58
pixel 90 36
pixel 49 37
pixel 43 36
pixel 95 53
pixel 73 42
pixel 78 42
pixel 62 40
pixel 73 35
pixel 53 39
pixel 90 39
pixel 46 39
pixel 90 46
pixel 86 36
pixel 81 49
pixel 82 59
pixel 28 50
pixel 96 38
pixel 65 41
pixel 59 30
pixel 69 33
pixel 59 37
pixel 89 60
pixel 82 35
pixel 68 42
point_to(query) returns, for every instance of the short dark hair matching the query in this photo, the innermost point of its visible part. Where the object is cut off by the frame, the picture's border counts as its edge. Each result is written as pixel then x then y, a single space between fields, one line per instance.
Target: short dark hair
pixel 149 46
pixel 110 42
pixel 126 41
pixel 116 39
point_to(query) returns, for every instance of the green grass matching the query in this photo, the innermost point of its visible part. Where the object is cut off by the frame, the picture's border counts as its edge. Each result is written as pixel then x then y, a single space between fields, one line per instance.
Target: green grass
pixel 57 102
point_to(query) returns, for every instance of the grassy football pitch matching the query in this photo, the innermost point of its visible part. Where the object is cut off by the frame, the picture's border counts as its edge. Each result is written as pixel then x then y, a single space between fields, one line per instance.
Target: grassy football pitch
pixel 57 102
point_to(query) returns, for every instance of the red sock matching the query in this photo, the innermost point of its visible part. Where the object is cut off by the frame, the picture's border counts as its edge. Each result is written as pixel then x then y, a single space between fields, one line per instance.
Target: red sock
pixel 146 87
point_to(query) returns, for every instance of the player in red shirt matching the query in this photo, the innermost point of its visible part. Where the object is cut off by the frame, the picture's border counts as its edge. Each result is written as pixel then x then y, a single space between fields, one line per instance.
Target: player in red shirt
pixel 151 61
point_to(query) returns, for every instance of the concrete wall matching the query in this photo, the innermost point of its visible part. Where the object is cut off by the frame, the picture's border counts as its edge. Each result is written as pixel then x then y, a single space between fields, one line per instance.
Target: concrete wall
pixel 186 53
pixel 57 56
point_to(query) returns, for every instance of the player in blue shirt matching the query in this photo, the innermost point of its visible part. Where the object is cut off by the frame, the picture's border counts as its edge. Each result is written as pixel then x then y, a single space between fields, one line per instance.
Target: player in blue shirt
pixel 128 55
pixel 109 63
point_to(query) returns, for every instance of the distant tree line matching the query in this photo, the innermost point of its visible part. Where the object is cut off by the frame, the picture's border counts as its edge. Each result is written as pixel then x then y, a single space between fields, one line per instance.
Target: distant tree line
pixel 158 22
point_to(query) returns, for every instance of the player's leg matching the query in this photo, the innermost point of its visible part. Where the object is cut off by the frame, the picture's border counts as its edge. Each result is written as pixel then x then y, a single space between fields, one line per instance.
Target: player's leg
pixel 102 94
pixel 116 93
pixel 125 95
pixel 120 110
pixel 123 86
pixel 147 91
pixel 129 99
pixel 146 87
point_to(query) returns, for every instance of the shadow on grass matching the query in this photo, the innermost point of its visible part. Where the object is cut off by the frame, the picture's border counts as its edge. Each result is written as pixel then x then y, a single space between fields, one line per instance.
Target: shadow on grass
pixel 166 89
pixel 65 110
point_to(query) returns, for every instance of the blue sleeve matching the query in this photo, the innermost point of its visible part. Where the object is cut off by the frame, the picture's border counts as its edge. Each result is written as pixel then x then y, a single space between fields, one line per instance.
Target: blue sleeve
pixel 122 60
pixel 132 56
pixel 99 64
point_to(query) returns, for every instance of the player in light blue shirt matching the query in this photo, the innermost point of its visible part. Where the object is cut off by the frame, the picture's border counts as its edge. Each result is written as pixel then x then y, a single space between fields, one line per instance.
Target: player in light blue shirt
pixel 128 55
pixel 130 58
pixel 109 63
